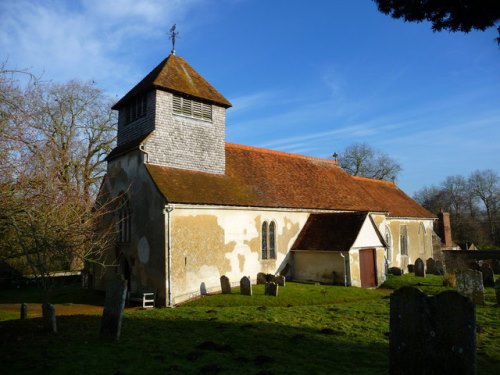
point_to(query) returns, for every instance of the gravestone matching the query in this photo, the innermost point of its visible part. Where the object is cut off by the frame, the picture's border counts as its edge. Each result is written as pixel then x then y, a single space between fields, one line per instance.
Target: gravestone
pixel 419 268
pixel 411 268
pixel 426 339
pixel 245 286
pixel 49 317
pixel 271 289
pixel 225 285
pixel 440 268
pixel 470 284
pixel 112 315
pixel 497 291
pixel 23 311
pixel 488 275
pixel 280 280
pixel 430 266
pixel 261 278
pixel 396 271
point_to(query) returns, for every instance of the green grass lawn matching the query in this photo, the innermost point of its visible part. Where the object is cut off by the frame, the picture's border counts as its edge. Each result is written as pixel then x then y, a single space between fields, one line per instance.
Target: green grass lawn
pixel 307 329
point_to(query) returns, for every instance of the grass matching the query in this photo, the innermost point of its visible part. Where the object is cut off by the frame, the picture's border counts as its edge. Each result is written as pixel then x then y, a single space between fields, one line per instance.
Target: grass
pixel 307 329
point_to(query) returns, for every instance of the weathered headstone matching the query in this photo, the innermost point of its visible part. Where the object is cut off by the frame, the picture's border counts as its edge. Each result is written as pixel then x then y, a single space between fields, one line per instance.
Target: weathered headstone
pixel 261 278
pixel 245 286
pixel 440 270
pixel 112 316
pixel 470 284
pixel 488 275
pixel 23 311
pixel 396 271
pixel 419 268
pixel 49 317
pixel 280 280
pixel 497 291
pixel 411 268
pixel 430 266
pixel 225 285
pixel 271 289
pixel 426 339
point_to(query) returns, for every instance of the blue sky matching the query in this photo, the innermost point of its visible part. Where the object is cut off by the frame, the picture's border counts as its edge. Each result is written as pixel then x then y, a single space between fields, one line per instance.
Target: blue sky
pixel 305 77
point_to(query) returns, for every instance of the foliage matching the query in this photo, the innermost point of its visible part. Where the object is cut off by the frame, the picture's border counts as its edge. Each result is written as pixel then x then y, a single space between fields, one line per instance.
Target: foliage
pixel 230 334
pixel 53 141
pixel 463 15
pixel 360 159
pixel 473 203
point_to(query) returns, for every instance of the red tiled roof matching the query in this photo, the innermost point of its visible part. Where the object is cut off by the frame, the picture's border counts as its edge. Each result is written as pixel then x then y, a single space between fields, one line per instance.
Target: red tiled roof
pixel 392 199
pixel 175 74
pixel 264 178
pixel 336 231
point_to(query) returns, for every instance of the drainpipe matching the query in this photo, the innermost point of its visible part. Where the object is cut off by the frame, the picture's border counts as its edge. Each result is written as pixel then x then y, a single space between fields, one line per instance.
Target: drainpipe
pixel 166 212
pixel 345 268
pixel 141 147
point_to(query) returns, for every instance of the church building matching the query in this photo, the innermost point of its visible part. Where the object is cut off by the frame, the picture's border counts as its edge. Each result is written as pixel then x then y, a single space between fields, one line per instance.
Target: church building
pixel 192 207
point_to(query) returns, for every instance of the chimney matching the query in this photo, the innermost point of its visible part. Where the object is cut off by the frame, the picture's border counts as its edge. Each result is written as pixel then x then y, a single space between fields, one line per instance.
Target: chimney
pixel 445 228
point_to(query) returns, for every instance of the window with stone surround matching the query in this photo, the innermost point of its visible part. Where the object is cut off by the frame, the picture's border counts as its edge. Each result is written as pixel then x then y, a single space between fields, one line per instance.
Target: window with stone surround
pixel 191 108
pixel 136 108
pixel 403 240
pixel 268 240
pixel 124 220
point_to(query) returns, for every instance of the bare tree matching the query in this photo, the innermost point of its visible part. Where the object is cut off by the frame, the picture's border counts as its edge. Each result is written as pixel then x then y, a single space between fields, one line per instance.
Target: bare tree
pixel 360 159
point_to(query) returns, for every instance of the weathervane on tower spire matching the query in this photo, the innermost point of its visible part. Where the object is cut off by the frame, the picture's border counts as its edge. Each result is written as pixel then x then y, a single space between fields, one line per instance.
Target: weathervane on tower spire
pixel 173 35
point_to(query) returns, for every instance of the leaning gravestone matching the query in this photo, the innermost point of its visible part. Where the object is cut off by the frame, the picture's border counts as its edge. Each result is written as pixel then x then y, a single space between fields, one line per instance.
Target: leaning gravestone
pixel 112 316
pixel 440 270
pixel 470 284
pixel 245 286
pixel 430 266
pixel 23 311
pixel 271 289
pixel 419 268
pixel 225 285
pixel 426 339
pixel 488 275
pixel 396 271
pixel 261 278
pixel 49 317
pixel 280 280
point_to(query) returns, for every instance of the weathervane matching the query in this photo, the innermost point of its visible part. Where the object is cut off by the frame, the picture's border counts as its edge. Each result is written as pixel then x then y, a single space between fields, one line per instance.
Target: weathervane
pixel 173 35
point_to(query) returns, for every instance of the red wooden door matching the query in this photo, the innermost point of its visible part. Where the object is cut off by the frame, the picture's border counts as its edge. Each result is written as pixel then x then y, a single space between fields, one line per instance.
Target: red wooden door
pixel 367 268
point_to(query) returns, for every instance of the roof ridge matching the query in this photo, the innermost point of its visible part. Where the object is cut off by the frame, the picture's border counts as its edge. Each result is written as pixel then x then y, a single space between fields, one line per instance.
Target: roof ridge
pixel 376 180
pixel 281 153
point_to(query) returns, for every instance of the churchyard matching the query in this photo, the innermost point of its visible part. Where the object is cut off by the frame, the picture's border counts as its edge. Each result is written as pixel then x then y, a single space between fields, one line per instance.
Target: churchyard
pixel 306 329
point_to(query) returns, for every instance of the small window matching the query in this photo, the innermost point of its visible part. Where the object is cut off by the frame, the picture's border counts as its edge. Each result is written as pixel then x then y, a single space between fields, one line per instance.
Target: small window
pixel 191 108
pixel 124 221
pixel 388 240
pixel 136 108
pixel 268 240
pixel 403 240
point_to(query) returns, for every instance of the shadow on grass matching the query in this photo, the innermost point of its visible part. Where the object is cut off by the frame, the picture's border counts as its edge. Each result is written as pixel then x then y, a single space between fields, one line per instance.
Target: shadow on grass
pixel 66 294
pixel 183 346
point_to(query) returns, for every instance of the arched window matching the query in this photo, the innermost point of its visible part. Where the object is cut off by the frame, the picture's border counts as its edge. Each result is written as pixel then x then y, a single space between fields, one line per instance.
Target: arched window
pixel 124 220
pixel 421 234
pixel 403 240
pixel 388 240
pixel 268 240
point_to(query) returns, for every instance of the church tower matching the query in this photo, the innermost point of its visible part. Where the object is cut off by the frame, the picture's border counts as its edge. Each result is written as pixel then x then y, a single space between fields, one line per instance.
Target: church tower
pixel 177 117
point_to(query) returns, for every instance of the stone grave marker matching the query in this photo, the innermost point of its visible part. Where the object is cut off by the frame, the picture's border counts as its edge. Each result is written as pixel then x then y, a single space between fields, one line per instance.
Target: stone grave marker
pixel 23 311
pixel 280 280
pixel 488 275
pixel 419 268
pixel 396 271
pixel 497 291
pixel 225 285
pixel 271 289
pixel 411 268
pixel 261 278
pixel 440 270
pixel 426 339
pixel 245 286
pixel 114 303
pixel 49 317
pixel 470 284
pixel 430 266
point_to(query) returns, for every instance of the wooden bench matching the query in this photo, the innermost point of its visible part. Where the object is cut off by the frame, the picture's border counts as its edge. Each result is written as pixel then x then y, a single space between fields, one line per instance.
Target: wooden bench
pixel 146 298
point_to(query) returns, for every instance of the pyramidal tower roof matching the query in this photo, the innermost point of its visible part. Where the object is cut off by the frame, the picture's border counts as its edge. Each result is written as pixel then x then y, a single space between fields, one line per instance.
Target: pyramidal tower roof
pixel 176 75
